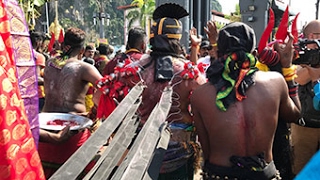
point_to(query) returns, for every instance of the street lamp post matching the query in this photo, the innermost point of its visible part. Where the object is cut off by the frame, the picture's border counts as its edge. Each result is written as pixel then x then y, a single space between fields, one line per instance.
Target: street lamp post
pixel 101 16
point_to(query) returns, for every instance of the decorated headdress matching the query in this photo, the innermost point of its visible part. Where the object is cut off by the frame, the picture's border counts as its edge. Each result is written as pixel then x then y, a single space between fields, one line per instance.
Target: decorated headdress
pixel 234 37
pixel 267 55
pixel 166 24
pixel 232 72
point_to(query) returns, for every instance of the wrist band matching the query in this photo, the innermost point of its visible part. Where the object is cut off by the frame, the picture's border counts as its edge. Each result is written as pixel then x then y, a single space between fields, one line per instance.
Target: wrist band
pixel 289 73
pixel 214 45
pixel 293 88
pixel 195 45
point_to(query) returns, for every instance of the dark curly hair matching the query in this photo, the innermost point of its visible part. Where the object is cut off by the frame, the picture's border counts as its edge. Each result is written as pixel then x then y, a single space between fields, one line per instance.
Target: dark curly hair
pixel 75 38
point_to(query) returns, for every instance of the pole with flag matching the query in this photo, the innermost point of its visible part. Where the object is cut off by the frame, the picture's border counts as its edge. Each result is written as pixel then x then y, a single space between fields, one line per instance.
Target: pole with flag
pixel 55 28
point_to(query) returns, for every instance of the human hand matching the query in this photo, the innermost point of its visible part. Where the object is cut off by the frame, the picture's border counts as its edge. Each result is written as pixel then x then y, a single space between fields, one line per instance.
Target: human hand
pixel 314 73
pixel 285 51
pixel 57 137
pixel 65 134
pixel 194 38
pixel 212 31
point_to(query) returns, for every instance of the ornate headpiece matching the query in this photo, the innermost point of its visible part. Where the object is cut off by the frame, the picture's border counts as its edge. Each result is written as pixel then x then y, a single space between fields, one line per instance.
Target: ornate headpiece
pixel 166 24
pixel 267 55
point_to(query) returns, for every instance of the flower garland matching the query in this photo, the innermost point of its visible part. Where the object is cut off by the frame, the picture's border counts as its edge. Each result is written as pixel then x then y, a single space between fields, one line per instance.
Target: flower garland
pixel 112 84
pixel 191 72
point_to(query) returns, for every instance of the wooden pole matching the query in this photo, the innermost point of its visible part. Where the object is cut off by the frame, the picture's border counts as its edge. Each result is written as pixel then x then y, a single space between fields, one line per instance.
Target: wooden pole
pixel 317 9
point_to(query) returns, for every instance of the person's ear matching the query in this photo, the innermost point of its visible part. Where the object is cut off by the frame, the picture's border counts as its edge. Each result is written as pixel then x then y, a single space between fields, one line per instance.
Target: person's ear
pixel 82 50
pixel 143 47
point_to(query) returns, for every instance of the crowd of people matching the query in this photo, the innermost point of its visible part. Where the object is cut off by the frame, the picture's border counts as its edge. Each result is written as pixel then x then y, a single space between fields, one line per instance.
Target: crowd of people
pixel 225 113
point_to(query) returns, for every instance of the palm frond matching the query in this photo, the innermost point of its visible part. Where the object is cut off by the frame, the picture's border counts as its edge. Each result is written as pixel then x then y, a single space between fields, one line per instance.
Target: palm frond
pixel 132 16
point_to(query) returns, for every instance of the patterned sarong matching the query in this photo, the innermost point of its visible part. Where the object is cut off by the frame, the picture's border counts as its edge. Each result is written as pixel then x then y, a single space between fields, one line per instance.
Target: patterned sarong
pixel 19 157
pixel 25 63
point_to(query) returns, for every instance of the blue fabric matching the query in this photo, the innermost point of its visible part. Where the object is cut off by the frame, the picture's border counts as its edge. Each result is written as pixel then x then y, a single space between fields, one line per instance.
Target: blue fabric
pixel 316 98
pixel 311 170
pixel 179 126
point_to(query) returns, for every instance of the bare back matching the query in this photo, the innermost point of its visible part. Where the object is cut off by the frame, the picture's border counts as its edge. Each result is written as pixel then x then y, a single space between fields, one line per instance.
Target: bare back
pixel 182 88
pixel 247 128
pixel 65 89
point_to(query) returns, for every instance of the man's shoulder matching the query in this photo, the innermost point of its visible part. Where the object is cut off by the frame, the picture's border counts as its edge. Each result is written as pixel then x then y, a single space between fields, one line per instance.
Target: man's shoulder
pixel 204 91
pixel 268 75
pixel 135 56
pixel 269 82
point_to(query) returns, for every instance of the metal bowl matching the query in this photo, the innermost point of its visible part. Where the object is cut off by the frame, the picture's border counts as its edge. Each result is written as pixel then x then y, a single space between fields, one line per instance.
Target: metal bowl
pixel 45 118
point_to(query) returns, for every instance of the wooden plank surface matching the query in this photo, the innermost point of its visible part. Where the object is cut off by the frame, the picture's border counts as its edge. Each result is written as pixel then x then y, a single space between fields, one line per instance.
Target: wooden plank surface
pixel 140 155
pixel 118 146
pixel 79 160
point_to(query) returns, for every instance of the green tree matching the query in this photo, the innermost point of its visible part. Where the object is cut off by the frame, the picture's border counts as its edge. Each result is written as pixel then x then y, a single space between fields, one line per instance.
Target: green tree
pixel 215 5
pixel 31 10
pixel 235 16
pixel 80 13
pixel 142 13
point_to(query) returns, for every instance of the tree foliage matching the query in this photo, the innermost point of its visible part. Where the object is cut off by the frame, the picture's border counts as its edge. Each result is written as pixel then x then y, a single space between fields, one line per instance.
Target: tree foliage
pixel 143 13
pixel 215 5
pixel 31 10
pixel 79 13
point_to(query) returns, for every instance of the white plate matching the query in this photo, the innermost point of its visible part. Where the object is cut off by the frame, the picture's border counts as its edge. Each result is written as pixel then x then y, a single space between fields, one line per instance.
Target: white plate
pixel 44 118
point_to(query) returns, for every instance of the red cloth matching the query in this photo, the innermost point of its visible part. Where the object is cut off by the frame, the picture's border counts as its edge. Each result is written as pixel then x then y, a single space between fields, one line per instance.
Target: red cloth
pixel 59 153
pixel 105 107
pixel 90 90
pixel 19 157
pixel 61 37
pixel 106 103
pixel 51 43
pixel 133 54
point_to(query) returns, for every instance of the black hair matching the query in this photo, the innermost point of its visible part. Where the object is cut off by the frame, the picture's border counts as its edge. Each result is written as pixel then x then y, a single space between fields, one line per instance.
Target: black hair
pixel 75 38
pixel 136 36
pixel 35 37
pixel 171 47
pixel 103 49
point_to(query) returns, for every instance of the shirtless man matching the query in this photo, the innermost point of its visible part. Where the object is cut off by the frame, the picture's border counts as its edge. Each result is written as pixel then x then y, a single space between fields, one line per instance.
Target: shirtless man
pixel 157 73
pixel 163 67
pixel 66 81
pixel 236 127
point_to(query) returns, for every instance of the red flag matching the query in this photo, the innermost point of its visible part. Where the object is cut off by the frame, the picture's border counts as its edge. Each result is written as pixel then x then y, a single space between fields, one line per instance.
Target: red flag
pixel 61 37
pixel 266 33
pixel 294 30
pixel 283 26
pixel 51 43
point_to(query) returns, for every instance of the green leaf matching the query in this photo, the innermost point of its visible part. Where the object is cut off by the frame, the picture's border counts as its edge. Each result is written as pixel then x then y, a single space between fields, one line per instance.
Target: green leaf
pixel 39 2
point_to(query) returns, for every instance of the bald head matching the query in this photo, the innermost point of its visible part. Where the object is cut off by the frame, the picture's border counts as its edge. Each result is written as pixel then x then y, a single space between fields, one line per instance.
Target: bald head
pixel 311 27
